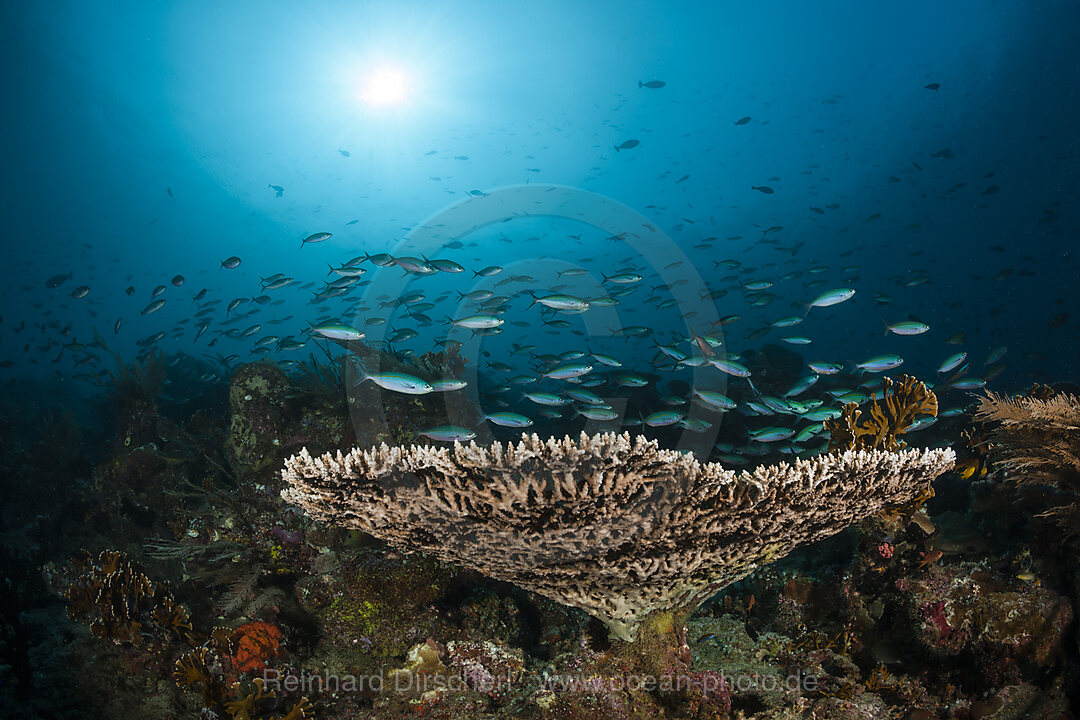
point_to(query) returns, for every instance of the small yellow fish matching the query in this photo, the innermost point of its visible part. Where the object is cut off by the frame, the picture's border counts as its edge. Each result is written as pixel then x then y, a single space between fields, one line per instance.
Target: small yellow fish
pixel 969 468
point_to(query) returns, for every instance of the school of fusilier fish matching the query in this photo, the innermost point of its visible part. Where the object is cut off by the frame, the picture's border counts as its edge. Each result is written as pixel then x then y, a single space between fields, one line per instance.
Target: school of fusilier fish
pixel 533 377
pixel 535 361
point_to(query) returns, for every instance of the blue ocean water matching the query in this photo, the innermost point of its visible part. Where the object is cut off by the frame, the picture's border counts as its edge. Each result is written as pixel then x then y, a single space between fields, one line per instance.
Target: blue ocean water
pixel 143 139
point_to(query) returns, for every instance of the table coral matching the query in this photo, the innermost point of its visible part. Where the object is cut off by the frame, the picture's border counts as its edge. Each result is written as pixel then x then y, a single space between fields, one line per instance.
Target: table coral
pixel 614 525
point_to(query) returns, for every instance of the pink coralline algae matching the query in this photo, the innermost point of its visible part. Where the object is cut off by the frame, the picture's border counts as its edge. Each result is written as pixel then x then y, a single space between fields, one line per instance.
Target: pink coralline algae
pixel 286 537
pixel 713 686
pixel 485 666
pixel 934 613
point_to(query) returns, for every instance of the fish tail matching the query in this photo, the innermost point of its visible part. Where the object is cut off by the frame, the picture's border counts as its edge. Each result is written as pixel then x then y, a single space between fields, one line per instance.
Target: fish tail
pixel 639 83
pixel 616 148
pixel 359 370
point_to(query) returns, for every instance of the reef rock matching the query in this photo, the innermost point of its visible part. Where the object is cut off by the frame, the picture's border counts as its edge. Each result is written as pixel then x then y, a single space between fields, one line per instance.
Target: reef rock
pixel 256 410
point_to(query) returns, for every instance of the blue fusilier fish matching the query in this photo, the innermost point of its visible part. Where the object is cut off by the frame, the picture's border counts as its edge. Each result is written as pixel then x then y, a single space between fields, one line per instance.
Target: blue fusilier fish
pixel 448 433
pixel 771 434
pixel 831 297
pixel 446 266
pixel 968 384
pixel 586 397
pixel 315 238
pixel 821 414
pixel 597 412
pixel 447 385
pixel 823 368
pixel 479 322
pixel 568 370
pixel 908 327
pixel 881 363
pixel 757 285
pixel 787 321
pixel 730 367
pixel 801 386
pixel 921 424
pixel 715 400
pixel 622 278
pixel 562 302
pixel 338 332
pixel 395 382
pixel 541 398
pixel 508 419
pixel 952 362
pixel 153 307
pixel 663 418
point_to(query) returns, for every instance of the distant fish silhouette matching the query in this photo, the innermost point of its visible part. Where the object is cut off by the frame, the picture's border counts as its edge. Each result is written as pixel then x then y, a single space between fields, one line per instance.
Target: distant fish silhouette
pixel 344 153
pixel 762 189
pixel 932 86
pixel 57 280
pixel 278 190
pixel 626 145
pixel 743 120
pixel 652 84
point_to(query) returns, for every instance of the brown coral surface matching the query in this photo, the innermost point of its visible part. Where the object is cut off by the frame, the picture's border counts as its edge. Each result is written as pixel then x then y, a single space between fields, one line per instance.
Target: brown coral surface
pixel 611 524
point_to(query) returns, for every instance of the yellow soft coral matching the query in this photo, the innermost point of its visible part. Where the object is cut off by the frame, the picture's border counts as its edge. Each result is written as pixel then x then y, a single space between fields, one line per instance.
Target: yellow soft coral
pixel 901 403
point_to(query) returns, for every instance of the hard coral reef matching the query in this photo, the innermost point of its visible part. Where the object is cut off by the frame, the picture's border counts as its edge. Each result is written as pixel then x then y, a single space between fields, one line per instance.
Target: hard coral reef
pixel 616 526
pixel 924 607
